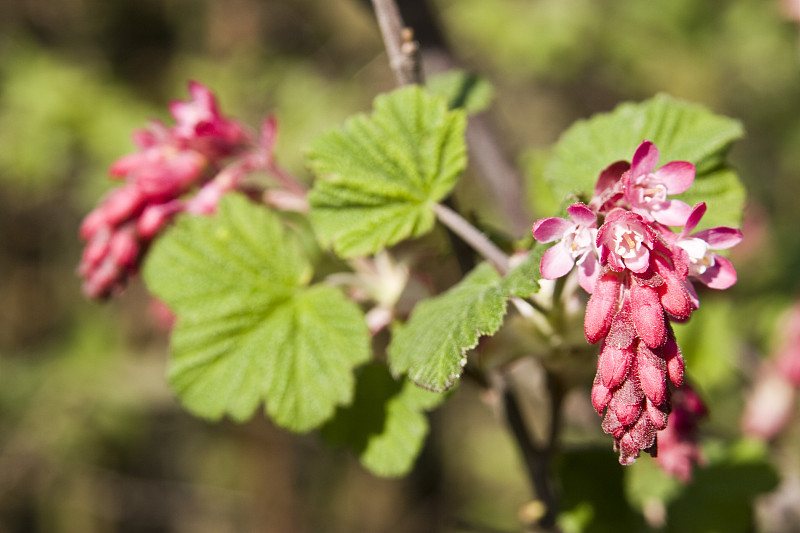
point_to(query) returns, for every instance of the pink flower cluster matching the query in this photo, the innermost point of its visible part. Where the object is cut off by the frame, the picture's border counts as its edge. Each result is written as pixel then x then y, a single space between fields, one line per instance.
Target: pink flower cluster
pixel 639 273
pixel 171 162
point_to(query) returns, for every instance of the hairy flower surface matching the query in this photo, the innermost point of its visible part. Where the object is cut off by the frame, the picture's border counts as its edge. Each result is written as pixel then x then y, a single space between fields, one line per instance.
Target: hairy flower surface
pixel 642 281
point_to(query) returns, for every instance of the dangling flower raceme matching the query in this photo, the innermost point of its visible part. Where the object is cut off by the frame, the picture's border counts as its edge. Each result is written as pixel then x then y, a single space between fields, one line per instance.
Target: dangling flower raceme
pixel 203 151
pixel 641 281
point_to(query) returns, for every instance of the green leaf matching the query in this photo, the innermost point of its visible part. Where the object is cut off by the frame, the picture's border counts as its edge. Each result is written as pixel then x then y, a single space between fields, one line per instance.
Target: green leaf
pixel 523 280
pixel 462 90
pixel 707 342
pixel 724 194
pixel 248 330
pixel 681 131
pixel 431 348
pixel 379 175
pixel 592 493
pixel 721 495
pixel 647 483
pixel 385 424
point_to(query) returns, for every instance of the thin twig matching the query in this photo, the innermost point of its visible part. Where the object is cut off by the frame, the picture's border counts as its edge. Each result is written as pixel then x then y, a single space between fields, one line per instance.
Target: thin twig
pixel 537 458
pixel 488 154
pixel 479 242
pixel 399 41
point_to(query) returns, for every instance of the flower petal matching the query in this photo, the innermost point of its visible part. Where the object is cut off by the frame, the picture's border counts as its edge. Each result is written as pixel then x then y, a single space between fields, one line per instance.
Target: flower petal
pixel 720 238
pixel 694 218
pixel 677 176
pixel 721 276
pixel 693 298
pixel 609 177
pixel 613 365
pixel 556 262
pixel 639 263
pixel 674 213
pixel 582 215
pixel 550 229
pixel 644 159
pixel 588 272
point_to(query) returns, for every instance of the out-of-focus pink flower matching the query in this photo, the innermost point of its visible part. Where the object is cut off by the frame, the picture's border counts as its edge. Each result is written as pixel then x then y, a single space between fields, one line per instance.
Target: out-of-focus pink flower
pixel 770 405
pixel 161 315
pixel 787 358
pixel 576 244
pixel 646 189
pixel 678 450
pixel 110 255
pixel 200 123
pixel 170 163
pixel 791 9
pixel 155 216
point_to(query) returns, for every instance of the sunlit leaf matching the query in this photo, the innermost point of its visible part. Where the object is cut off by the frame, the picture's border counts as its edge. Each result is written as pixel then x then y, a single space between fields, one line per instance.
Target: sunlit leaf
pixel 431 348
pixel 720 496
pixel 462 90
pixel 592 493
pixel 248 330
pixel 385 424
pixel 379 175
pixel 523 280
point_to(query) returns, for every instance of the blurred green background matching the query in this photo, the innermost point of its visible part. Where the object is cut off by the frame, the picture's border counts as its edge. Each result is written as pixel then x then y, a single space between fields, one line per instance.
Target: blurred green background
pixel 91 439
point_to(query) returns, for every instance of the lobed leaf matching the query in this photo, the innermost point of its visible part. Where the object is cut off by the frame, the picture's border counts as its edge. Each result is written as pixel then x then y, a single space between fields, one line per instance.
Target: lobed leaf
pixel 724 194
pixel 385 424
pixel 431 347
pixel 462 90
pixel 248 330
pixel 379 175
pixel 523 280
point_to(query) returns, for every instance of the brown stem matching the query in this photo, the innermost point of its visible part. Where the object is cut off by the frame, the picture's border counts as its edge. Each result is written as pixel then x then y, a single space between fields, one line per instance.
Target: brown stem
pixel 399 41
pixel 488 155
pixel 537 457
pixel 469 234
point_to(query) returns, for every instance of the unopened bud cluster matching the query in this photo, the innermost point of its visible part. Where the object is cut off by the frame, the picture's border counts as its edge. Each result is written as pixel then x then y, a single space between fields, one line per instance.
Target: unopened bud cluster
pixel 639 272
pixel 202 150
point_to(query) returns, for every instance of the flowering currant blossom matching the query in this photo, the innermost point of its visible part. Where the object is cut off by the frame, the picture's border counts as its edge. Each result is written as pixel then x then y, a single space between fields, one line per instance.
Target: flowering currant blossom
pixel 203 150
pixel 576 245
pixel 646 189
pixel 706 266
pixel 642 282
